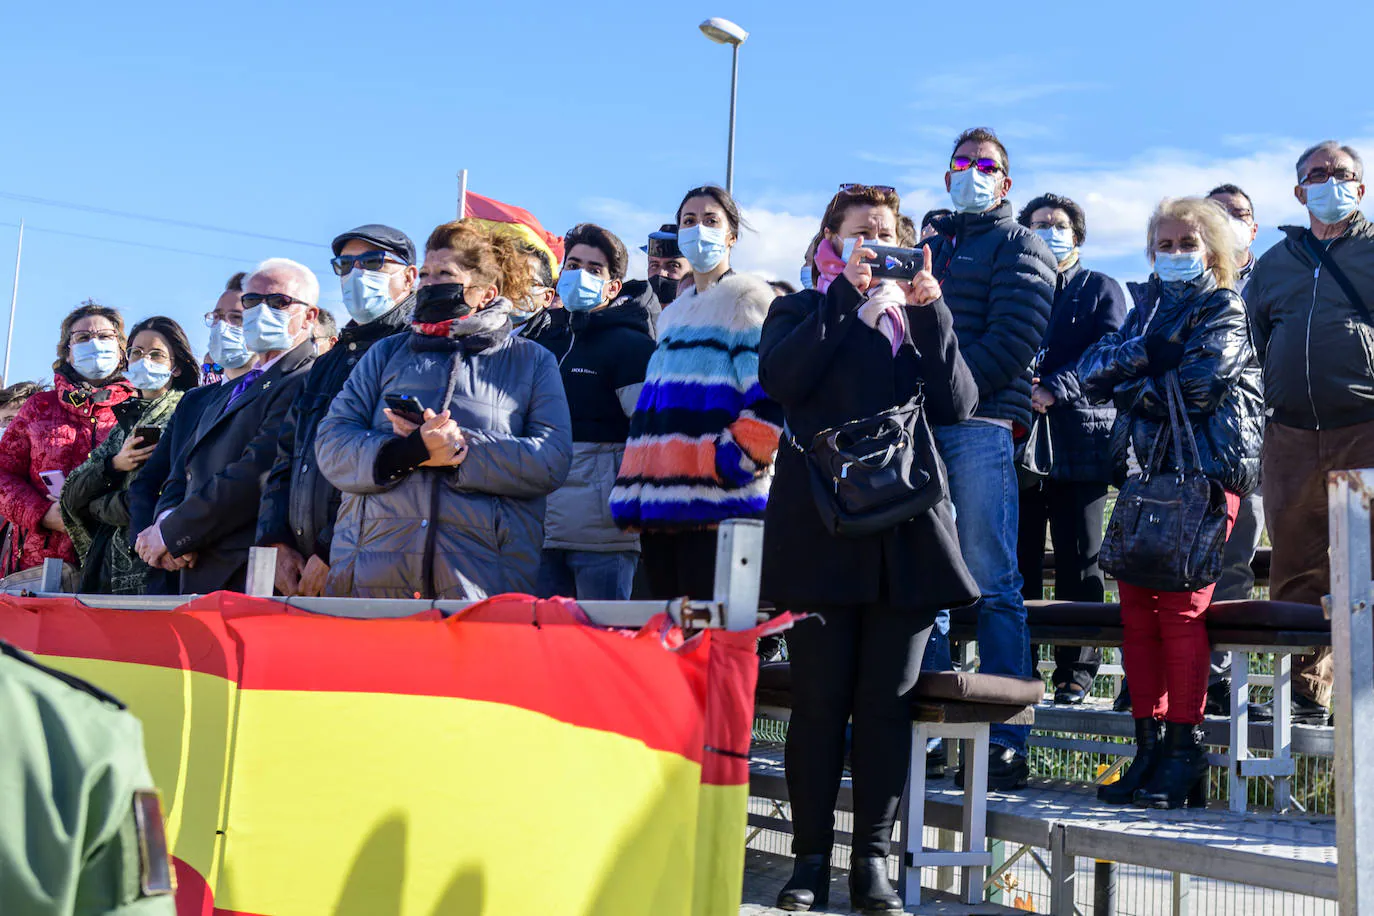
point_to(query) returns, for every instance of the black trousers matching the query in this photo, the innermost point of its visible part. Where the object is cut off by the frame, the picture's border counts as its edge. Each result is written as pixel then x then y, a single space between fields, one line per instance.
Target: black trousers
pixel 679 564
pixel 1073 513
pixel 861 662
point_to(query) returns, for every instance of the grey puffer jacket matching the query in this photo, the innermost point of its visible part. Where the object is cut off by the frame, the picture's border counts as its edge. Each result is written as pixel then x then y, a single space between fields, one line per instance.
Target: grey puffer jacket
pixel 465 532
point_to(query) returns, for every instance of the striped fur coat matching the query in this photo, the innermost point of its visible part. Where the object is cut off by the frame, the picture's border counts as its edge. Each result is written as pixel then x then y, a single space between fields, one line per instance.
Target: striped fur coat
pixel 703 434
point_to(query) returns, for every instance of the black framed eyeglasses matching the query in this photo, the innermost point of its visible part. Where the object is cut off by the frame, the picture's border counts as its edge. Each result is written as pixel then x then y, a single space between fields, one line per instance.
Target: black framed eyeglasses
pixel 1320 175
pixel 984 165
pixel 368 260
pixel 278 301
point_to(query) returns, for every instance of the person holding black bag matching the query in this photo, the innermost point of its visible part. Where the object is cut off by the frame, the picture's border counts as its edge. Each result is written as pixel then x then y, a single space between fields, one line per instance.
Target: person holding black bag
pixel 862 368
pixel 1186 352
pixel 1071 498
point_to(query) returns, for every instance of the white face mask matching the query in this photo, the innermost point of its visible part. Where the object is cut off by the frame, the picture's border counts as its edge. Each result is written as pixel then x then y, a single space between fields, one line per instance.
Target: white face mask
pixel 1241 230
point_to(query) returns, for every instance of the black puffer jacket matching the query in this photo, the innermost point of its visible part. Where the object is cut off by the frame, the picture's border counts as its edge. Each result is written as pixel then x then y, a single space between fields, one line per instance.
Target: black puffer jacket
pixel 997 278
pixel 1087 306
pixel 299 505
pixel 1219 377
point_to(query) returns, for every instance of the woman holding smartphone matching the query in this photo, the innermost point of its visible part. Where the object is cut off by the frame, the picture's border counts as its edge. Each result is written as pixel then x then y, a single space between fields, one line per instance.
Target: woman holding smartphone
pixel 56 430
pixel 95 500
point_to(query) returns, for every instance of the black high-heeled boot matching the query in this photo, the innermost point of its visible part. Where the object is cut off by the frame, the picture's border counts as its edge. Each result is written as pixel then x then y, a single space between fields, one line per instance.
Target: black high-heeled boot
pixel 1147 753
pixel 1181 774
pixel 809 886
pixel 870 891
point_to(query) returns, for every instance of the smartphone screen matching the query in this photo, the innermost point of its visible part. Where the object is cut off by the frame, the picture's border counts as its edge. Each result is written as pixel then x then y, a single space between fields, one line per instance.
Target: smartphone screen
pixel 53 480
pixel 149 434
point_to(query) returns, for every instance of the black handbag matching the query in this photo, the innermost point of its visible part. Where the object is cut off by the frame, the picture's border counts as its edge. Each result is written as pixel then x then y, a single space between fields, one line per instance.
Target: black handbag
pixel 872 474
pixel 1037 453
pixel 1168 529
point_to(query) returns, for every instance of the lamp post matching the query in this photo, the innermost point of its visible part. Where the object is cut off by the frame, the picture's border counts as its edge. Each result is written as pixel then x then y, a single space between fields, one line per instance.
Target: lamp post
pixel 725 32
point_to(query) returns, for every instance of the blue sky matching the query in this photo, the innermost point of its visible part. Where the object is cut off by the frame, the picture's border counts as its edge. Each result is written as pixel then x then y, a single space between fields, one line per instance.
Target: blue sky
pixel 300 120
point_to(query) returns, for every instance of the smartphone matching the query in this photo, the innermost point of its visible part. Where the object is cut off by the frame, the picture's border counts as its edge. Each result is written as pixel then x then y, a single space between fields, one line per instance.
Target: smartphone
pixel 407 408
pixel 53 480
pixel 149 434
pixel 895 263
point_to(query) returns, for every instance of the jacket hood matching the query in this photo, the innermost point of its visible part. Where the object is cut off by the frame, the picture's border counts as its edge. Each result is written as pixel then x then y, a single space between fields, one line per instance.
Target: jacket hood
pixel 961 223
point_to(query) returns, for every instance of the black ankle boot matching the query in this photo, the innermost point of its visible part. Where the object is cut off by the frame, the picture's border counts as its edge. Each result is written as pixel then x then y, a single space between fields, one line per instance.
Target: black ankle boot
pixel 869 889
pixel 1180 777
pixel 1147 752
pixel 809 886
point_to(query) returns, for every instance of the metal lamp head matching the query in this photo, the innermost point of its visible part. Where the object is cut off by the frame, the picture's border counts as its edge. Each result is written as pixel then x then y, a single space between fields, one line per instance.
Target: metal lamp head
pixel 723 31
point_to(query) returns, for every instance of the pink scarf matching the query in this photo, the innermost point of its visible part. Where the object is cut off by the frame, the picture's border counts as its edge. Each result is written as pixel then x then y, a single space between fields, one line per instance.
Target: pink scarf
pixel 883 309
pixel 828 262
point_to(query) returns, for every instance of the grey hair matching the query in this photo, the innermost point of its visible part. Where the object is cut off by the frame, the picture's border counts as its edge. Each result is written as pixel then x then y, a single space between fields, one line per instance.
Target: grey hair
pixel 1332 146
pixel 306 283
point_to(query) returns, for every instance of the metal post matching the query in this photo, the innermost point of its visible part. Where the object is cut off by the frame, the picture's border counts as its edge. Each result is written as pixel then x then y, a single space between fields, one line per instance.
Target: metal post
pixel 1352 646
pixel 1104 888
pixel 1182 891
pixel 739 563
pixel 262 572
pixel 14 303
pixel 1240 728
pixel 462 193
pixel 1063 871
pixel 730 150
pixel 914 818
pixel 1283 729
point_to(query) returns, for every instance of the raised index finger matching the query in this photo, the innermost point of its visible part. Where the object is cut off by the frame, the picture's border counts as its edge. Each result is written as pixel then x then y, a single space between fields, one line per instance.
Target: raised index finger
pixel 926 258
pixel 857 255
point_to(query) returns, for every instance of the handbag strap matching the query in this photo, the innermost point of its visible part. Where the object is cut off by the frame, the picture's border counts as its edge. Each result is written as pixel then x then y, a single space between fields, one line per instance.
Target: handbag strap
pixel 1183 429
pixel 1323 254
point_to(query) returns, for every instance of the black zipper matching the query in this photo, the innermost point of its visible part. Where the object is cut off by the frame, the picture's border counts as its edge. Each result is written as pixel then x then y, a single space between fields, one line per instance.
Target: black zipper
pixel 427 565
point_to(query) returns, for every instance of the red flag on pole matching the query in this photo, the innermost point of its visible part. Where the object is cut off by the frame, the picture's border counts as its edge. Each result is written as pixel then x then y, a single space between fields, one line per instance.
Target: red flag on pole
pixel 503 217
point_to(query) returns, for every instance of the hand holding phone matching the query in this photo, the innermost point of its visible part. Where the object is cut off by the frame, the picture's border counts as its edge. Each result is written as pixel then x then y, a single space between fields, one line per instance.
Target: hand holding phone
pixel 408 408
pixel 150 435
pixel 53 480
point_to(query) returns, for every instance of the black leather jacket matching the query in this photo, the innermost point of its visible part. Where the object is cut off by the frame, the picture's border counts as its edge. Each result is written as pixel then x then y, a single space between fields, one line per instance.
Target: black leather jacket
pixel 1219 376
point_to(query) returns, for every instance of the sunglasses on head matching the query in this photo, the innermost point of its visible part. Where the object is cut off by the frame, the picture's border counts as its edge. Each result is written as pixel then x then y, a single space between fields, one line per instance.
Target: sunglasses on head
pixel 368 260
pixel 964 163
pixel 277 301
pixel 851 188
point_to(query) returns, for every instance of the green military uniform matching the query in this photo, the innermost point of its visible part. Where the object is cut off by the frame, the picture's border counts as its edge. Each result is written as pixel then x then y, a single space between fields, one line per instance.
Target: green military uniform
pixel 81 830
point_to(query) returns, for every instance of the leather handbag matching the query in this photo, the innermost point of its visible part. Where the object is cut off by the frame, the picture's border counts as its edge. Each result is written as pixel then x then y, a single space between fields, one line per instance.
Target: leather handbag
pixel 1168 528
pixel 873 474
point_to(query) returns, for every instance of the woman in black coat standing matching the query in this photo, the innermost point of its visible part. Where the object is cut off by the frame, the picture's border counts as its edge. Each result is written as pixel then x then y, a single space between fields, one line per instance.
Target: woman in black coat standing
pixel 1087 307
pixel 849 349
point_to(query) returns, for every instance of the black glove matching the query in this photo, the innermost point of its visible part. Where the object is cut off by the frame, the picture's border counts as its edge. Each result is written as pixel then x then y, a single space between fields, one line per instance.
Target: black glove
pixel 1163 354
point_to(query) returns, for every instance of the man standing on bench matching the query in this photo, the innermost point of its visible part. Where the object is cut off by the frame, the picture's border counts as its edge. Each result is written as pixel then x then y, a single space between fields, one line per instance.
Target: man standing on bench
pixel 1309 301
pixel 998 279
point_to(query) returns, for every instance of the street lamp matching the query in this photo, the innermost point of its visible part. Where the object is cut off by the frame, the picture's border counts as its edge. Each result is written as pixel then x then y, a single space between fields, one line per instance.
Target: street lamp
pixel 725 32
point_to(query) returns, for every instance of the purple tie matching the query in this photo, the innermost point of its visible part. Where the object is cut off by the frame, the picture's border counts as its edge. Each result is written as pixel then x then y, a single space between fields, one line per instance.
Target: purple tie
pixel 242 385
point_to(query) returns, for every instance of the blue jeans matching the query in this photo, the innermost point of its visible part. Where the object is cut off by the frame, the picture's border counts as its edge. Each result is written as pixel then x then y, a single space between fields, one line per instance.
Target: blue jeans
pixel 983 487
pixel 587 575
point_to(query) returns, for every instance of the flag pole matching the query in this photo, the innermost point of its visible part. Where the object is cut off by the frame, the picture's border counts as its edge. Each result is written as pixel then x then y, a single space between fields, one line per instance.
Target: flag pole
pixel 462 193
pixel 14 301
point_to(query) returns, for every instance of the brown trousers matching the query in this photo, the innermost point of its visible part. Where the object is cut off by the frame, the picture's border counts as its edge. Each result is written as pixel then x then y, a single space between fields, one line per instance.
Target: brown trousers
pixel 1295 466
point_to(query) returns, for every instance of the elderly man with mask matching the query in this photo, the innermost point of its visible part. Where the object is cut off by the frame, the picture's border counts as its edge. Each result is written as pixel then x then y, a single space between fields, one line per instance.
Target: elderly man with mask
pixel 376 269
pixel 1310 298
pixel 208 527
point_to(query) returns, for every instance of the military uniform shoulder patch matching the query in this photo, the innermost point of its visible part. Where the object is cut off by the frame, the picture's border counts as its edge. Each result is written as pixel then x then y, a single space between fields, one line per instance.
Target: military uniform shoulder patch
pixel 156 877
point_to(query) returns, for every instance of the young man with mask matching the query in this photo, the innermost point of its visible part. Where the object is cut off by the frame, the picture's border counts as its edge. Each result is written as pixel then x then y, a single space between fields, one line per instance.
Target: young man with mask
pixel 209 529
pixel 376 269
pixel 667 267
pixel 603 340
pixel 1310 298
pixel 998 280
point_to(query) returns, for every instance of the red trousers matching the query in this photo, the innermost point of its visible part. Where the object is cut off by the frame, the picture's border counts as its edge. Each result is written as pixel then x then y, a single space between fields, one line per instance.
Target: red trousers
pixel 1165 650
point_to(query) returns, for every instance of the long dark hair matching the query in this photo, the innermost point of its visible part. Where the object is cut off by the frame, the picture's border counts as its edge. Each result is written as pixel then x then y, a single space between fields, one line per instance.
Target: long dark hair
pixel 720 196
pixel 183 358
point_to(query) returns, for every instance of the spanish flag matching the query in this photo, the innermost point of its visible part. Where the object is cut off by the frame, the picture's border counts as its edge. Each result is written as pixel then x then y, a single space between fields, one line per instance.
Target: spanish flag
pixel 511 759
pixel 506 218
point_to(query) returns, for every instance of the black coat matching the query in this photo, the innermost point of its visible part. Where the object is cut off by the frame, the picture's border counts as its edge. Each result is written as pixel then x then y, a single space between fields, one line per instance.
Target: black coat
pixel 154 478
pixel 826 367
pixel 997 277
pixel 1219 376
pixel 224 464
pixel 1087 306
pixel 299 505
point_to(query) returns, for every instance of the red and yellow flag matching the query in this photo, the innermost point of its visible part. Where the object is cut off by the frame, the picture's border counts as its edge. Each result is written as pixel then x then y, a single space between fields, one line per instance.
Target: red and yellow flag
pixel 511 759
pixel 507 218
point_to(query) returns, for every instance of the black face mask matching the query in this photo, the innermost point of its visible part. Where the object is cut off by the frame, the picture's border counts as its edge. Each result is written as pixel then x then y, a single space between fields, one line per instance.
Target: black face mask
pixel 440 302
pixel 665 288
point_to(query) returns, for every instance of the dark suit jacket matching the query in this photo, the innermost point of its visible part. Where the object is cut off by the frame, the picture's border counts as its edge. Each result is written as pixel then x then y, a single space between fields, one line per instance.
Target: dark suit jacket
pixel 223 466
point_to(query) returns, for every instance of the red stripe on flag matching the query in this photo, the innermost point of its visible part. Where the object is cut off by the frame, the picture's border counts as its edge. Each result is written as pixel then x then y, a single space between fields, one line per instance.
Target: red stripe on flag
pixel 479 207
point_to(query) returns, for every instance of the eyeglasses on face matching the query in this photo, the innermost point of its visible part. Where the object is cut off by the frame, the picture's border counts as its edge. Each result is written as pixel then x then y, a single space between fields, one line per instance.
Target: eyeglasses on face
pixel 278 301
pixel 964 163
pixel 233 319
pixel 80 337
pixel 157 356
pixel 1321 175
pixel 368 260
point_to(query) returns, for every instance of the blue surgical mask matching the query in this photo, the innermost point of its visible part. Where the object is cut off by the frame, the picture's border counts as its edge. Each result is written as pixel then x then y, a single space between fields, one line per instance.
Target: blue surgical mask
pixel 265 329
pixel 1332 200
pixel 95 359
pixel 973 192
pixel 579 291
pixel 367 294
pixel 1060 242
pixel 703 246
pixel 148 376
pixel 806 277
pixel 1181 266
pixel 227 347
pixel 847 250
